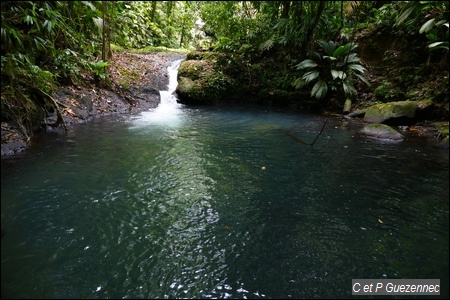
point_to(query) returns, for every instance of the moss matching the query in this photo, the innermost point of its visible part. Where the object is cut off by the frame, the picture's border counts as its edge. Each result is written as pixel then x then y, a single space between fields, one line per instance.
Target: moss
pixel 442 128
pixel 422 104
pixel 128 78
pixel 380 112
pixel 404 108
pixel 190 89
pixel 199 55
pixel 382 131
pixel 159 49
pixel 192 68
pixel 200 82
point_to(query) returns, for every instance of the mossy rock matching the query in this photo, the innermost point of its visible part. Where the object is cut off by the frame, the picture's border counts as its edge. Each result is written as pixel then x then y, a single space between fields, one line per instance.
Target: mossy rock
pixel 200 83
pixel 193 69
pixel 382 132
pixel 401 110
pixel 191 92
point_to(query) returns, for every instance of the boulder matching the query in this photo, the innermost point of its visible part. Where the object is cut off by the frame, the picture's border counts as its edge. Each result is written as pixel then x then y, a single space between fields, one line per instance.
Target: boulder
pixel 382 132
pixel 395 112
pixel 200 83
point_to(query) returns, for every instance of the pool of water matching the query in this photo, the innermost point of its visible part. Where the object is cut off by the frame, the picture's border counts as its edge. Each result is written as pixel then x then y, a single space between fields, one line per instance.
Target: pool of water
pixel 220 202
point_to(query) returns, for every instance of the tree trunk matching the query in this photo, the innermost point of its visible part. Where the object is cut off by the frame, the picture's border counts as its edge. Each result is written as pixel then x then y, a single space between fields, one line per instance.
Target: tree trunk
pixel 310 31
pixel 103 31
pixel 285 5
pixel 152 15
pixel 297 6
pixel 182 37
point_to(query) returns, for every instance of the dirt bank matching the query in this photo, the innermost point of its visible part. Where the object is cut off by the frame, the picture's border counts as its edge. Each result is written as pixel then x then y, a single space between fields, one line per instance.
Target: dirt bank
pixel 135 82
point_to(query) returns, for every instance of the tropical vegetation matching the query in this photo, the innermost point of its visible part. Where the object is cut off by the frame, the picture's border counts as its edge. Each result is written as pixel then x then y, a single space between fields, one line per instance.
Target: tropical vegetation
pixel 272 46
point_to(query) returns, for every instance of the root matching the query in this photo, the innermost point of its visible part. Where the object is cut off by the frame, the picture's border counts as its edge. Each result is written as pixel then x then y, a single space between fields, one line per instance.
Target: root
pixel 59 119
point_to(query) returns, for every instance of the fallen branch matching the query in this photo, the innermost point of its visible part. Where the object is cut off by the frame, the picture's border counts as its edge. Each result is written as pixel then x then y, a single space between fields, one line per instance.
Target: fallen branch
pixel 59 119
pixel 299 140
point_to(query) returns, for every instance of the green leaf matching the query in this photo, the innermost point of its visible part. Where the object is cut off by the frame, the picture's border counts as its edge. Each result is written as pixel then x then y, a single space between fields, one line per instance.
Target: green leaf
pixel 434 46
pixel 349 89
pixel 431 36
pixel 299 83
pixel 267 45
pixel 307 63
pixel 98 23
pixel 404 15
pixel 89 4
pixel 341 50
pixel 338 74
pixel 28 19
pixel 49 25
pixel 319 90
pixel 352 58
pixel 327 46
pixel 331 58
pixel 427 26
pixel 363 79
pixel 310 76
pixel 357 67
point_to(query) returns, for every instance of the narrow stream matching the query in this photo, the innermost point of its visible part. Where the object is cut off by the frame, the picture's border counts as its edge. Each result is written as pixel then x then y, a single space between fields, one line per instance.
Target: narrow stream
pixel 218 202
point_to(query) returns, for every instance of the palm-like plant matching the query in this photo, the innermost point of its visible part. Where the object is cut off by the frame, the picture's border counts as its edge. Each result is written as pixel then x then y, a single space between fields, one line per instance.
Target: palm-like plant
pixel 336 70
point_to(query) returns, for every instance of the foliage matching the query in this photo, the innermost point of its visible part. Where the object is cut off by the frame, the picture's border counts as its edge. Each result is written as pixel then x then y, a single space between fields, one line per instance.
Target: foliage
pixel 437 36
pixel 42 43
pixel 436 29
pixel 46 43
pixel 99 68
pixel 386 92
pixel 335 69
pixel 135 28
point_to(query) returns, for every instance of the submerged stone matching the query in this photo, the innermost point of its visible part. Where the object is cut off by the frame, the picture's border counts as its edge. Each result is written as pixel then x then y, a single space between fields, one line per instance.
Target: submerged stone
pixel 382 132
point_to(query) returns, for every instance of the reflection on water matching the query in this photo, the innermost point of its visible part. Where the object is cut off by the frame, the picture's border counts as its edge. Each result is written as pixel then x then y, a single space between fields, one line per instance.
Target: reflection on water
pixel 220 203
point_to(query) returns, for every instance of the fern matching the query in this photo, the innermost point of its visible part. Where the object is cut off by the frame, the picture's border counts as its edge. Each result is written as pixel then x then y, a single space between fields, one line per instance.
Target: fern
pixel 267 45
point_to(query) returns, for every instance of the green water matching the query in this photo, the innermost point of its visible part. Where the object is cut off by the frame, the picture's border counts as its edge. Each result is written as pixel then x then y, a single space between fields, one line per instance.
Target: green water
pixel 219 202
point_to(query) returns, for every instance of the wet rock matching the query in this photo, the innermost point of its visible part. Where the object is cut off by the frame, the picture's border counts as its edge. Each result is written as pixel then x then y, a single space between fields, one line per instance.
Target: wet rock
pixel 147 75
pixel 399 112
pixel 382 132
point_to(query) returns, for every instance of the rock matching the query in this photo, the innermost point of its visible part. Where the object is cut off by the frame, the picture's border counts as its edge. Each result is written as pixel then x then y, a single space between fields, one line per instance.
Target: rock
pixel 382 132
pixel 190 91
pixel 444 144
pixel 396 112
pixel 357 113
pixel 347 106
pixel 200 83
pixel 88 101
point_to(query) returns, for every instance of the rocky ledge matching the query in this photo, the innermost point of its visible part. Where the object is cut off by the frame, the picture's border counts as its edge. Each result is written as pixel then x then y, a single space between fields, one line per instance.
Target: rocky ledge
pixel 135 82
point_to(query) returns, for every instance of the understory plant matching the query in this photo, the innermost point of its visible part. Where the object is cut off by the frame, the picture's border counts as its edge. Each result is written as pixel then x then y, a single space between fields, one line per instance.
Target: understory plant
pixel 334 69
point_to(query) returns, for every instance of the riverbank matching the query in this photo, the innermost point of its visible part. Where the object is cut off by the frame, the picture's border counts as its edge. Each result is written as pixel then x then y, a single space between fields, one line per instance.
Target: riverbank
pixel 134 84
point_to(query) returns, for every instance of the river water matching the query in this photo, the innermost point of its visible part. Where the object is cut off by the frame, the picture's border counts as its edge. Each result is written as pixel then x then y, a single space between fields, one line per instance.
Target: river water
pixel 220 202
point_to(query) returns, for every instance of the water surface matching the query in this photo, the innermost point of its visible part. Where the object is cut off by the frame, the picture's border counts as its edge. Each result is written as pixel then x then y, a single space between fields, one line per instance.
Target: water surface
pixel 220 202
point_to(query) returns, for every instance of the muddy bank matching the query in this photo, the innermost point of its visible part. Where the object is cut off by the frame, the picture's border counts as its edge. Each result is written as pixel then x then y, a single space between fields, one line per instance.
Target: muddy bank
pixel 134 84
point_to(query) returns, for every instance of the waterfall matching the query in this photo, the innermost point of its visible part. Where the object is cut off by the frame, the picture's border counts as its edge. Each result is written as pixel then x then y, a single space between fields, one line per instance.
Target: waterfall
pixel 168 99
pixel 168 111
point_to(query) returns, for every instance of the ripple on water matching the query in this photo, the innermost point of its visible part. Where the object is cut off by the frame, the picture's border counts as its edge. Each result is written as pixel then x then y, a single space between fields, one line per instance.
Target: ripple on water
pixel 187 211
